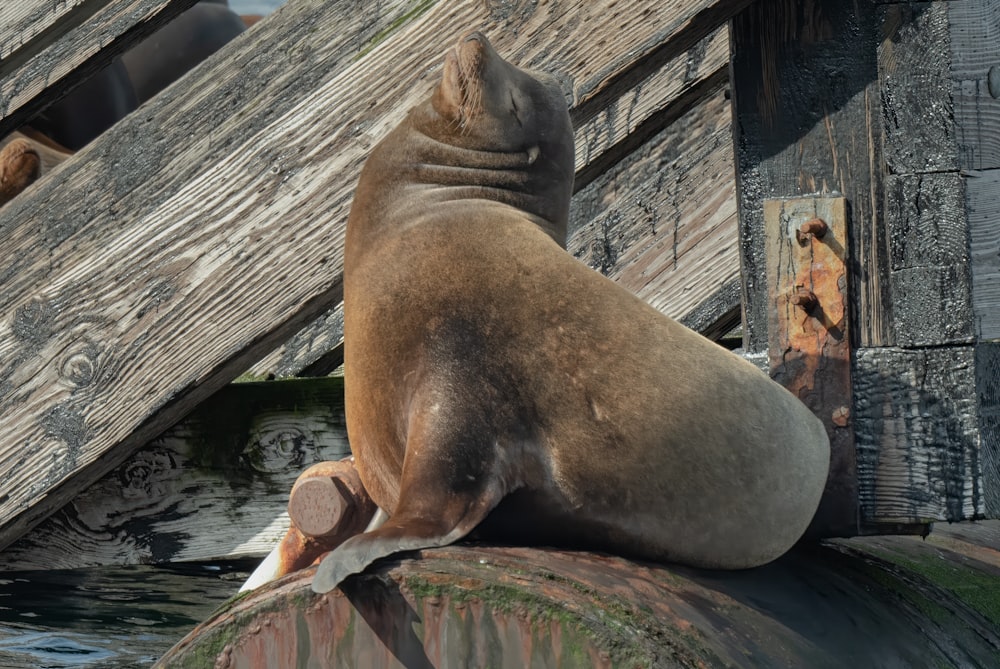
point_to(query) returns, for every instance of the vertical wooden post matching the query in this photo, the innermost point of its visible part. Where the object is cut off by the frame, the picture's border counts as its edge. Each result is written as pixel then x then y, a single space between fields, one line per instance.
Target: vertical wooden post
pixel 889 105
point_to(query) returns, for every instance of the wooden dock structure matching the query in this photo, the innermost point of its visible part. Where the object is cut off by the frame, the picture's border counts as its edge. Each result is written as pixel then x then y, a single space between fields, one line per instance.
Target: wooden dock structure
pixel 200 239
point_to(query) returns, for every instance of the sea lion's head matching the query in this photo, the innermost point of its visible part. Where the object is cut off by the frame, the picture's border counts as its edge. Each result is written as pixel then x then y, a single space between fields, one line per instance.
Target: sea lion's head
pixel 492 105
pixel 492 117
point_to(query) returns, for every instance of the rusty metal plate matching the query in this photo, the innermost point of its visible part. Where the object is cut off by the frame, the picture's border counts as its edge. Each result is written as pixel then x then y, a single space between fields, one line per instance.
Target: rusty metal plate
pixel 808 338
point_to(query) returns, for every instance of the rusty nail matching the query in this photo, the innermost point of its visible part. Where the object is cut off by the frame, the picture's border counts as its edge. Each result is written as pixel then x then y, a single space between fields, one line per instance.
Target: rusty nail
pixel 805 299
pixel 841 415
pixel 815 227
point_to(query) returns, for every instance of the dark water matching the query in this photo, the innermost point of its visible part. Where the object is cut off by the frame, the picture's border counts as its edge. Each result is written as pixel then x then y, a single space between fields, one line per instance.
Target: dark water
pixel 106 618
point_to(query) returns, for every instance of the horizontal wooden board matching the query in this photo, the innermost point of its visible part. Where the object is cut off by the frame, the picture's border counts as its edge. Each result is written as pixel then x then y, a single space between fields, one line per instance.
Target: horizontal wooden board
pixel 50 47
pixel 213 487
pixel 207 227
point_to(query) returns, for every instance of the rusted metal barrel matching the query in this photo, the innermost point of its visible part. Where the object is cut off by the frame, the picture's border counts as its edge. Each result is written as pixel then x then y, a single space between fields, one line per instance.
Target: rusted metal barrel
pixel 839 604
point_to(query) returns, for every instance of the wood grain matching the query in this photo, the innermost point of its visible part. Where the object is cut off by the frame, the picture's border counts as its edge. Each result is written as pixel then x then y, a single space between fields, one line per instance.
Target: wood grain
pixel 51 47
pixel 662 222
pixel 206 228
pixel 917 426
pixel 975 61
pixel 918 115
pixel 982 205
pixel 929 252
pixel 213 487
pixel 988 393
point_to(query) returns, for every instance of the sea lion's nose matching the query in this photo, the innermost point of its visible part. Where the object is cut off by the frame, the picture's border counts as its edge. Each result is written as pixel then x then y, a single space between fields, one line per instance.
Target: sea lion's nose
pixel 475 36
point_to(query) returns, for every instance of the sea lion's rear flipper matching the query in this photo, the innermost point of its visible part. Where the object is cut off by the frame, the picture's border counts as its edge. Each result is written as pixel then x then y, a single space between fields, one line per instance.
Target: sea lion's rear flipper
pixel 406 530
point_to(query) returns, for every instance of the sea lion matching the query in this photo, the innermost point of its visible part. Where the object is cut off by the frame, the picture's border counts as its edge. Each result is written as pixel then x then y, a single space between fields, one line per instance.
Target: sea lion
pixel 24 157
pixel 495 382
pixel 89 109
pixel 174 49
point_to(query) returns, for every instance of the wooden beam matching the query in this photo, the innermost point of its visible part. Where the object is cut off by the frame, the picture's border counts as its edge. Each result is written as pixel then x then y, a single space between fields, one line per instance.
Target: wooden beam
pixel 207 227
pixel 213 487
pixel 662 222
pixel 48 48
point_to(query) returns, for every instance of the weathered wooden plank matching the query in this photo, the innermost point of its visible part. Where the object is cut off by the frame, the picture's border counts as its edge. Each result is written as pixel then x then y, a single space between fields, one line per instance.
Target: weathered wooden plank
pixel 807 121
pixel 982 206
pixel 662 222
pixel 212 487
pixel 169 257
pixel 605 138
pixel 917 428
pixel 48 48
pixel 21 22
pixel 929 252
pixel 975 81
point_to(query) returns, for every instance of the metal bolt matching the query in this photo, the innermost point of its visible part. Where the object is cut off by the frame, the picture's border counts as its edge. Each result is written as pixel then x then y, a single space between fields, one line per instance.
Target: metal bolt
pixel 993 81
pixel 805 299
pixel 816 227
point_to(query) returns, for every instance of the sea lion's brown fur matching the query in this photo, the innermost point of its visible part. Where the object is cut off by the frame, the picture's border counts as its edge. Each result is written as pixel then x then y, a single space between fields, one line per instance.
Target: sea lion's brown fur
pixel 24 157
pixel 489 373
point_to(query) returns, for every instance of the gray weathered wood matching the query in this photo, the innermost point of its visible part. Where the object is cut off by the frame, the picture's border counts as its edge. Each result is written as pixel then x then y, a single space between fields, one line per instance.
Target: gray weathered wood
pixel 807 121
pixel 212 487
pixel 47 48
pixel 982 205
pixel 628 120
pixel 988 395
pixel 662 222
pixel 975 62
pixel 206 228
pixel 919 445
pixel 914 77
pixel 929 251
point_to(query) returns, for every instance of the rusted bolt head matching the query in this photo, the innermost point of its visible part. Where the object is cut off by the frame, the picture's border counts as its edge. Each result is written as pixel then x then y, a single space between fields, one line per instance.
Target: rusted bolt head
pixel 816 227
pixel 805 299
pixel 841 416
pixel 316 506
